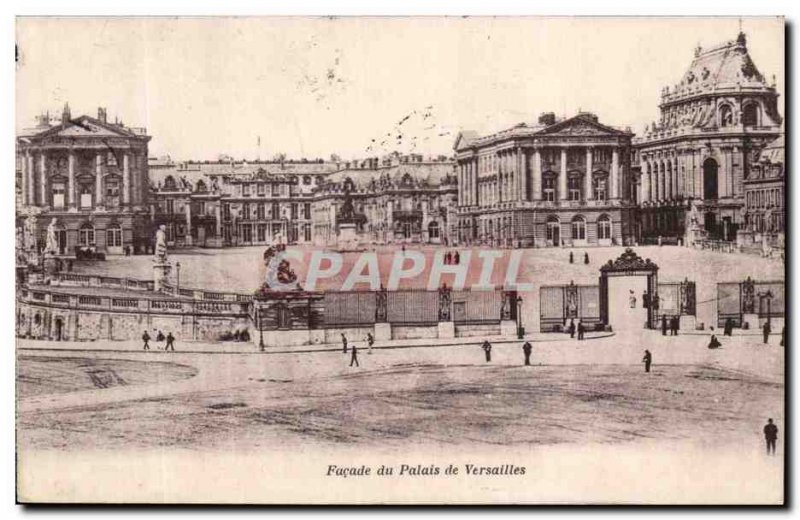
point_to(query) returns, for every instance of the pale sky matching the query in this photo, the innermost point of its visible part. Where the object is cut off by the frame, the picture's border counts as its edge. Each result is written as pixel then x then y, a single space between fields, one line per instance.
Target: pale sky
pixel 310 87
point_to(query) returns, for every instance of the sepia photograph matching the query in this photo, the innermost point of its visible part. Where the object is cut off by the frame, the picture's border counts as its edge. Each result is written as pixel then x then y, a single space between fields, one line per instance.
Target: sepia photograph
pixel 403 260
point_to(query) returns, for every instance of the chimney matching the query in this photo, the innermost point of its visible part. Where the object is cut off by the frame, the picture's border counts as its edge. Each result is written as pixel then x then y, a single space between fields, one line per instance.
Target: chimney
pixel 101 114
pixel 547 118
pixel 65 115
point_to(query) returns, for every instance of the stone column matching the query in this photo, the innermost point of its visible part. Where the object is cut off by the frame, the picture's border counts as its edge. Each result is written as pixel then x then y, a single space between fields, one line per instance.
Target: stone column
pixel 522 161
pixel 668 179
pixel 188 208
pixel 71 199
pixel 562 176
pixel 645 185
pixel 98 179
pixel 588 187
pixel 460 180
pixel 24 180
pixel 31 179
pixel 126 179
pixel 615 173
pixel 536 188
pixel 43 179
pixel 476 197
pixel 218 217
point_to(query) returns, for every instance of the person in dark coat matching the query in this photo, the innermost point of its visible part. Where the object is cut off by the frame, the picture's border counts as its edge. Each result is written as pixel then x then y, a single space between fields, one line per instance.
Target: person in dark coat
pixel 344 344
pixel 571 328
pixel 448 258
pixel 714 343
pixel 456 258
pixel 647 360
pixel 146 338
pixel 581 330
pixel 728 327
pixel 487 349
pixel 676 325
pixel 571 258
pixel 767 330
pixel 663 324
pixel 170 342
pixel 370 342
pixel 160 336
pixel 585 258
pixel 354 355
pixel 771 436
pixel 526 349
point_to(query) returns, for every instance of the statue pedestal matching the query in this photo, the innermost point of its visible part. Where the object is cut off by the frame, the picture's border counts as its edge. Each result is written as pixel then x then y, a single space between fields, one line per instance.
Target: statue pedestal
pixel 751 320
pixel 347 239
pixel 50 264
pixel 447 330
pixel 161 272
pixel 687 322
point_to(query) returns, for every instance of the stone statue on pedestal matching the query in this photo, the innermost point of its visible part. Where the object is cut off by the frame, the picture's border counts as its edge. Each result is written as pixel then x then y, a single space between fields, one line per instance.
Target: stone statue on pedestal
pixel 51 245
pixel 161 268
pixel 161 244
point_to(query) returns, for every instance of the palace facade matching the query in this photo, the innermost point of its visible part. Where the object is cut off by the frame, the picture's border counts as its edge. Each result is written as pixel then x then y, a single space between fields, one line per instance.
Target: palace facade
pixel 90 175
pixel 764 198
pixel 561 182
pixel 695 161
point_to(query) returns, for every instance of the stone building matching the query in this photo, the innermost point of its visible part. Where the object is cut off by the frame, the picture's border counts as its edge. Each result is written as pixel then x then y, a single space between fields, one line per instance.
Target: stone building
pixel 560 182
pixel 89 174
pixel 232 204
pixel 765 209
pixel 399 199
pixel 694 161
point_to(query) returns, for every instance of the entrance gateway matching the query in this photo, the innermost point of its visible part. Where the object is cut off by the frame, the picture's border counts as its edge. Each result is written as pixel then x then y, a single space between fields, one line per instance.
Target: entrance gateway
pixel 629 292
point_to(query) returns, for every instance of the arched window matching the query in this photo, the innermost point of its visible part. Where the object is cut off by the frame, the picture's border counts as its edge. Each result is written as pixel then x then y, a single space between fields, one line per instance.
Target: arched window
pixel 201 186
pixel 750 114
pixel 710 168
pixel 169 183
pixel 433 229
pixel 578 228
pixel 553 230
pixel 86 235
pixel 604 228
pixel 114 236
pixel 725 115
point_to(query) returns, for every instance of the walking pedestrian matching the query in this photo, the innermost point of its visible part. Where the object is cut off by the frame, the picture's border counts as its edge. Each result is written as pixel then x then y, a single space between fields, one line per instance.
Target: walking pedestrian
pixel 571 327
pixel 170 342
pixel 456 258
pixel 487 348
pixel 571 258
pixel 526 349
pixel 370 341
pixel 767 330
pixel 663 324
pixel 728 331
pixel 146 338
pixel 581 330
pixel 771 436
pixel 354 355
pixel 647 360
pixel 585 258
pixel 344 344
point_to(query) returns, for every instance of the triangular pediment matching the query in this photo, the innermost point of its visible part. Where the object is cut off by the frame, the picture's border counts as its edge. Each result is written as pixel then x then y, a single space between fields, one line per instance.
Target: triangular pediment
pixel 85 126
pixel 581 126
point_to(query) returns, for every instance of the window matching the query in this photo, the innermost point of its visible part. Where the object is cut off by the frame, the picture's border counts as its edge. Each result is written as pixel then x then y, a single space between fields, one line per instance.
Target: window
pixel 260 211
pixel 549 188
pixel 725 115
pixel 275 190
pixel 307 211
pixel 170 206
pixel 86 235
pixel 600 188
pixel 245 190
pixel 261 189
pixel 604 228
pixel 307 232
pixel 294 210
pixel 750 115
pixel 306 180
pixel 433 230
pixel 245 211
pixel 247 233
pixel 58 195
pixel 276 211
pixel 261 232
pixel 114 236
pixel 553 230
pixel 578 228
pixel 574 187
pixel 226 211
pixel 86 195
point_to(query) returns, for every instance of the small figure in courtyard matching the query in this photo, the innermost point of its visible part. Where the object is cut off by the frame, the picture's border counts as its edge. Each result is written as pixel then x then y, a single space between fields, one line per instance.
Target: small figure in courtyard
pixel 571 259
pixel 354 355
pixel 448 258
pixel 571 328
pixel 663 324
pixel 728 331
pixel 714 343
pixel 675 323
pixel 632 299
pixel 526 349
pixel 771 436
pixel 170 342
pixel 456 258
pixel 581 330
pixel 487 349
pixel 783 333
pixel 146 339
pixel 647 360
pixel 767 330
pixel 344 344
pixel 370 342
pixel 585 258
pixel 160 336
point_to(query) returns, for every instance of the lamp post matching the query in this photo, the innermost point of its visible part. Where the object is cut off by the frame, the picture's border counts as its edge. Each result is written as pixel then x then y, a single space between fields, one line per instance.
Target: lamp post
pixel 768 296
pixel 520 333
pixel 260 331
pixel 178 269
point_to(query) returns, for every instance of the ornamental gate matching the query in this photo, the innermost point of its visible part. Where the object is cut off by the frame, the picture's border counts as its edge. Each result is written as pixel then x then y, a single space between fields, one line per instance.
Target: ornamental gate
pixel 735 299
pixel 627 286
pixel 558 304
pixel 675 299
